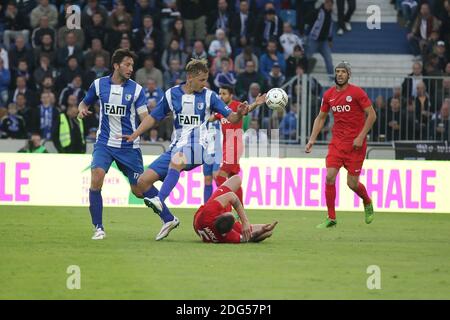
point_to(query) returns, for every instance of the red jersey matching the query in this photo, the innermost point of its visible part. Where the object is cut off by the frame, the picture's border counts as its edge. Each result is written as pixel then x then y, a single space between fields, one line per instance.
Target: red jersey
pixel 348 112
pixel 232 145
pixel 205 217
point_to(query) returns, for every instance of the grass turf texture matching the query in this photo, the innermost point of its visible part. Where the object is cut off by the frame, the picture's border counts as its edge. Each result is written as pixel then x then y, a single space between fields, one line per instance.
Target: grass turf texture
pixel 298 262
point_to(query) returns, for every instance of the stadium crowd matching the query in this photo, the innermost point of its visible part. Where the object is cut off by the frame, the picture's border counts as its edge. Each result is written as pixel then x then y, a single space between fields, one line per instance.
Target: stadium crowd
pixel 253 45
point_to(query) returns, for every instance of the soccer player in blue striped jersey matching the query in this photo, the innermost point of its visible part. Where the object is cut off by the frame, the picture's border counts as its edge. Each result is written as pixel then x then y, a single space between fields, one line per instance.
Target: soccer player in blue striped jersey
pixel 191 104
pixel 122 102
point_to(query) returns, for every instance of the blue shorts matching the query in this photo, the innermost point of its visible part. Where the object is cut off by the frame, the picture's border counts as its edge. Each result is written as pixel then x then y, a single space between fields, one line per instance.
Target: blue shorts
pixel 209 169
pixel 128 160
pixel 195 157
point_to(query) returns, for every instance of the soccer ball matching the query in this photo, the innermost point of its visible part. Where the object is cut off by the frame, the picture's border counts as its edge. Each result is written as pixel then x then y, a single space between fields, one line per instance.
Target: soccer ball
pixel 276 98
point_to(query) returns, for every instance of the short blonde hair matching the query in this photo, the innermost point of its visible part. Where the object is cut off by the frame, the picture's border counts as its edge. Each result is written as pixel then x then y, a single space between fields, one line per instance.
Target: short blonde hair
pixel 197 66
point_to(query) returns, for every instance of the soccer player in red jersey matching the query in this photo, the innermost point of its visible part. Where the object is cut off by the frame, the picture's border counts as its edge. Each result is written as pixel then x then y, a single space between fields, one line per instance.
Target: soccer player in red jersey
pixel 353 118
pixel 213 223
pixel 232 146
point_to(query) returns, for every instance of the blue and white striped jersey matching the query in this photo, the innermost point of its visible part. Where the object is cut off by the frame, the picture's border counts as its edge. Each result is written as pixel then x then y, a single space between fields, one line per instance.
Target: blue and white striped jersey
pixel 190 113
pixel 120 106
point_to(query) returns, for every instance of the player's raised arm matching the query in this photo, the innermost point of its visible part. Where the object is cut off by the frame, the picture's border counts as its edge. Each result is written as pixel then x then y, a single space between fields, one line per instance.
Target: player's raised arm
pixel 260 99
pixel 371 117
pixel 317 127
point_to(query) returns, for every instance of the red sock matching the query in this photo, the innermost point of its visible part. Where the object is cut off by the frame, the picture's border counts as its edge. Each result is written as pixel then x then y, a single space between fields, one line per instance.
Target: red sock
pixel 362 193
pixel 330 195
pixel 220 180
pixel 239 194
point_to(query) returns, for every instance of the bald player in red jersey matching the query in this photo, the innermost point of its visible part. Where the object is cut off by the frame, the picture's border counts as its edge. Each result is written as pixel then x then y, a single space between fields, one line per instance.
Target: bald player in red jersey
pixel 232 146
pixel 353 118
pixel 214 223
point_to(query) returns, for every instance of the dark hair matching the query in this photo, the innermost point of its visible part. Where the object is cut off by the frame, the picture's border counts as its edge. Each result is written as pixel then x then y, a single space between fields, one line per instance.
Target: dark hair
pixel 227 87
pixel 224 223
pixel 120 54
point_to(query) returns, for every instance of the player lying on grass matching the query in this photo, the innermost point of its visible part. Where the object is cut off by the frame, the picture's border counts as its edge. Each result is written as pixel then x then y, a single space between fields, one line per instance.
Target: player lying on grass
pixel 214 221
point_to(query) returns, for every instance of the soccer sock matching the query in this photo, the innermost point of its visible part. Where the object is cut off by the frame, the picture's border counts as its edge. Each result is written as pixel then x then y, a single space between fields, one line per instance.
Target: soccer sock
pixel 169 183
pixel 362 193
pixel 239 194
pixel 165 215
pixel 330 195
pixel 96 207
pixel 207 192
pixel 220 180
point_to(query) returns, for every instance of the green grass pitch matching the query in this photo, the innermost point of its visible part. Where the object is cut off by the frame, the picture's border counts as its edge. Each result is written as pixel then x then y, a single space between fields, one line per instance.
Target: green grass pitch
pixel 299 262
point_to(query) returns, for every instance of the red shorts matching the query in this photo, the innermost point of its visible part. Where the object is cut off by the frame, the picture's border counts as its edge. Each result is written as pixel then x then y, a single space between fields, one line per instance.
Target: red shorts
pixel 231 168
pixel 351 159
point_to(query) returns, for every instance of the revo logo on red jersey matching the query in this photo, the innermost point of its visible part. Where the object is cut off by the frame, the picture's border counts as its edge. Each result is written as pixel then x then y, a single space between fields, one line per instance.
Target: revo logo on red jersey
pixel 344 108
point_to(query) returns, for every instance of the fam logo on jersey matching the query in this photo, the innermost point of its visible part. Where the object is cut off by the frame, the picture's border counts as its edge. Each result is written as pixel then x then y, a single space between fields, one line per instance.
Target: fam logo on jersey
pixel 128 97
pixel 349 99
pixel 115 109
pixel 189 119
pixel 200 105
pixel 344 108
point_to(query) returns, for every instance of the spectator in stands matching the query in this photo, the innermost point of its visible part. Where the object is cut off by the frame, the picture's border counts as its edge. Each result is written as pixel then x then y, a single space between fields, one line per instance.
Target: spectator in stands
pixel 89 10
pixel 147 31
pixel 142 8
pixel 34 145
pixel 242 25
pixel 269 58
pixel 64 30
pixel 225 76
pixel 288 125
pixel 24 71
pixel 118 15
pixel 297 58
pixel 154 136
pixel 43 70
pixel 424 111
pixel 276 78
pixel 73 89
pixel 198 51
pixel 396 93
pixel 46 48
pixel 445 26
pixel 253 91
pixel 241 59
pixel 4 57
pixel 71 49
pixel 97 71
pixel 219 42
pixel 248 77
pixel 169 13
pixel 20 52
pixel 153 93
pixel 175 75
pixel 269 26
pixel 216 63
pixel 21 87
pixel 97 30
pixel 344 17
pixel 440 127
pixel 149 50
pixel 23 110
pixel 125 43
pixel 68 132
pixel 321 36
pixel 379 128
pixel 43 28
pixel 93 52
pixel 47 86
pixel 194 16
pixel 422 27
pixel 68 73
pixel 396 122
pixel 409 85
pixel 13 125
pixel 440 51
pixel 409 11
pixel 44 117
pixel 44 9
pixel 5 79
pixel 114 38
pixel 178 32
pixel 220 18
pixel 173 53
pixel 149 71
pixel 16 23
pixel 289 40
pixel 254 137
